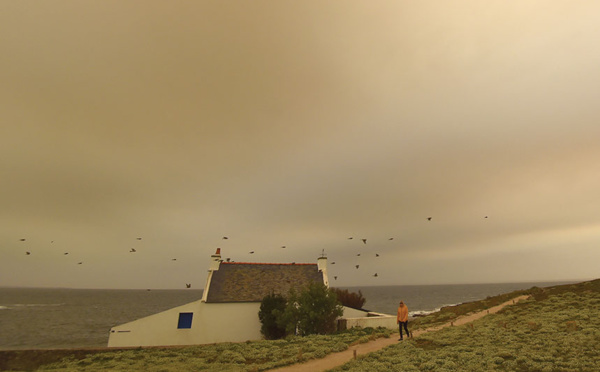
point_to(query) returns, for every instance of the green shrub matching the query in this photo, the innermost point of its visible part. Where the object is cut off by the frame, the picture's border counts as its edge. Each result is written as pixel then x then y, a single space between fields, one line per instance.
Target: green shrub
pixel 270 313
pixel 229 356
pixel 312 311
pixel 350 299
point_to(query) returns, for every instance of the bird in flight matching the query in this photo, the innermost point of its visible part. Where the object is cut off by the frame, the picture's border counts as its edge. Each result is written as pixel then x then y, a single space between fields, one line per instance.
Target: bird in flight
pixel 485 217
pixel 228 259
pixel 79 263
pixel 333 263
pixel 428 218
pixel 173 259
pixel 27 253
pixel 188 285
pixel 358 255
pixel 283 246
pixel 225 238
pixel 391 239
pixel 139 238
pixel 357 266
pixel 350 238
pixel 66 253
pixel 22 239
pixel 133 250
pixel 335 277
pixel 375 275
pixel 364 241
pixel 251 252
pixel 376 254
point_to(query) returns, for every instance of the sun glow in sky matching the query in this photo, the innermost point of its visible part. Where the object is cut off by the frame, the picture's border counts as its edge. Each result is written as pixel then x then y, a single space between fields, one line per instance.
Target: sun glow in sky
pixel 299 124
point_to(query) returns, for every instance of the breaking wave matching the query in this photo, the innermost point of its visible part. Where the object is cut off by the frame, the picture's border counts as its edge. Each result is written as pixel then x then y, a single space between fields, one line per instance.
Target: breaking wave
pixel 418 313
pixel 10 306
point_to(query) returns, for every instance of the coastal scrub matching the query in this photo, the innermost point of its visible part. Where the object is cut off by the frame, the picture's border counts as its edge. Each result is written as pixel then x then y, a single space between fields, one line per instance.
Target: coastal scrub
pixel 244 356
pixel 556 330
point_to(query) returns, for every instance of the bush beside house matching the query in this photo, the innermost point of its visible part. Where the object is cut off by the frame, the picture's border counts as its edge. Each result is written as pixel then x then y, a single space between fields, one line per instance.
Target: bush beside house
pixel 271 310
pixel 351 299
pixel 314 310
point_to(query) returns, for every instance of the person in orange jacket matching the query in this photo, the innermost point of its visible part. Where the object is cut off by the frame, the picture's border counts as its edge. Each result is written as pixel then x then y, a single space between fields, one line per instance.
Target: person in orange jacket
pixel 402 319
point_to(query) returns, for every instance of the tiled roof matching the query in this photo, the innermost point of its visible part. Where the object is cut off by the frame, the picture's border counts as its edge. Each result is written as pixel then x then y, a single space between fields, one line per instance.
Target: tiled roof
pixel 251 282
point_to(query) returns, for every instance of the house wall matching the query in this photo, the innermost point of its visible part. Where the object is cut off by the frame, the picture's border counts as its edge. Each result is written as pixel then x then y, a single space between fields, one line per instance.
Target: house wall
pixel 215 322
pixel 211 322
pixel 353 313
pixel 363 319
pixel 385 321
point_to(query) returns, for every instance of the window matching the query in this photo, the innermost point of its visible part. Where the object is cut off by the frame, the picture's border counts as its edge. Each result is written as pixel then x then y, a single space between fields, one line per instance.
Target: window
pixel 185 320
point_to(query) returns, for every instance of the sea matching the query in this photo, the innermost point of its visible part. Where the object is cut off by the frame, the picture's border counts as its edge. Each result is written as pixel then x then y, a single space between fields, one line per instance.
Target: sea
pixel 55 318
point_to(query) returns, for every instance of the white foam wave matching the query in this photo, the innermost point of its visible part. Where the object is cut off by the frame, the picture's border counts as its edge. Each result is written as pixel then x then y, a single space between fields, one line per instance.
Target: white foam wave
pixel 422 312
pixel 32 305
pixel 427 312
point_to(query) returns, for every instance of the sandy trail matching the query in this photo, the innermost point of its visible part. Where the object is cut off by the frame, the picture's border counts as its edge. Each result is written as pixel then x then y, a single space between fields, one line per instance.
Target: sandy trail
pixel 337 359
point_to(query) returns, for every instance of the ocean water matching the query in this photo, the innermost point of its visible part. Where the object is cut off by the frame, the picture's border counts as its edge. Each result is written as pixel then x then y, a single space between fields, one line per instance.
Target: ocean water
pixel 36 318
pixel 44 318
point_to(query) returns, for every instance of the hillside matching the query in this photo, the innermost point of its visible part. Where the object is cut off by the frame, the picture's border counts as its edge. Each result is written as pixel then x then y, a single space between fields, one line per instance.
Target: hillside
pixel 557 329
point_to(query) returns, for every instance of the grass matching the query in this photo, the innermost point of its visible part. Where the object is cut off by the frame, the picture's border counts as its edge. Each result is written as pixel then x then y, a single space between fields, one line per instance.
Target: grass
pixel 451 313
pixel 246 356
pixel 557 330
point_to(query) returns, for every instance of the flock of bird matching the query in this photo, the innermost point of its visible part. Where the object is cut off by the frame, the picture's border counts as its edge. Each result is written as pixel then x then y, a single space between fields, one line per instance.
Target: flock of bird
pixel 132 250
pixel 333 262
pixel 188 285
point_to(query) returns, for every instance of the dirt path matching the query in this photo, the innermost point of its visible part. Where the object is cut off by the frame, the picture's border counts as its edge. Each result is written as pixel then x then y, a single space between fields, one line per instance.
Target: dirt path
pixel 337 359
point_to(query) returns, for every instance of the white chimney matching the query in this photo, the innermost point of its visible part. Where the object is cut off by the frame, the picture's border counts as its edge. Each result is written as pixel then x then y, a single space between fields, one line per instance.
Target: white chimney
pixel 215 263
pixel 322 266
pixel 215 260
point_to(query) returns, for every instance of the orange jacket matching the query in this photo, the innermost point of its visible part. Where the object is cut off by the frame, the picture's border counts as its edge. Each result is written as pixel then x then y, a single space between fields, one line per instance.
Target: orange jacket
pixel 402 314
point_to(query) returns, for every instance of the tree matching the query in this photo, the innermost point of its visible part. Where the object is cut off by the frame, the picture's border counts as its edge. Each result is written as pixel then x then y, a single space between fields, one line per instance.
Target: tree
pixel 350 299
pixel 312 311
pixel 271 310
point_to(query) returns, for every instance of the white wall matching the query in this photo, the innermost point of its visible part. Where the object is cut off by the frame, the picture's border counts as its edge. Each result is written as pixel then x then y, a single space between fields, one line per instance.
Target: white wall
pixel 378 321
pixel 211 322
pixel 353 313
pixel 359 318
pixel 215 322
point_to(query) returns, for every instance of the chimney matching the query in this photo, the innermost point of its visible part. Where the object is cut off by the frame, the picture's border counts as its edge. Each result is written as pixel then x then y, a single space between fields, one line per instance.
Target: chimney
pixel 322 263
pixel 215 260
pixel 322 267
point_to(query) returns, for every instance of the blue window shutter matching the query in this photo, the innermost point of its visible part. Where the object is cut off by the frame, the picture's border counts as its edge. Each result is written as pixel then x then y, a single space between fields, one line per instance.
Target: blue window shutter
pixel 185 320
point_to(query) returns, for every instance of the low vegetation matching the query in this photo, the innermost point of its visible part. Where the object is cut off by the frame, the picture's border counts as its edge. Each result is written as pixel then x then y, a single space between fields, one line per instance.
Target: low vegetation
pixel 450 313
pixel 245 356
pixel 557 329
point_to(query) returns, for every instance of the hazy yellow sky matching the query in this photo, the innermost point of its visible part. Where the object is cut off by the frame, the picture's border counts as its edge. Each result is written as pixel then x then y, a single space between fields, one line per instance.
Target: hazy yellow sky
pixel 299 124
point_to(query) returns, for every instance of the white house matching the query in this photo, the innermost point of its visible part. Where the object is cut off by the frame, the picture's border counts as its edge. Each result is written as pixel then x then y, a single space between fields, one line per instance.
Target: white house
pixel 228 310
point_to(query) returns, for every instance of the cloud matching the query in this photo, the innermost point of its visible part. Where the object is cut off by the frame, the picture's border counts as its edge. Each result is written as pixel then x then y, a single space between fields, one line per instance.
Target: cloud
pixel 298 124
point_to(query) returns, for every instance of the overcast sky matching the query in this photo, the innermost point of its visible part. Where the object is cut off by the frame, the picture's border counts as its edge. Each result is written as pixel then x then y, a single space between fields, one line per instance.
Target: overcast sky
pixel 299 124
